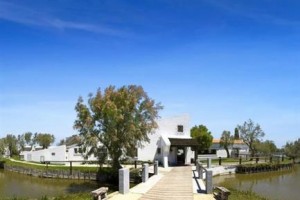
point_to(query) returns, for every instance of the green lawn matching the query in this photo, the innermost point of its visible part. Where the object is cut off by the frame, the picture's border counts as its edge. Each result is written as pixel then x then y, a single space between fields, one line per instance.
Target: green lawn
pixel 45 167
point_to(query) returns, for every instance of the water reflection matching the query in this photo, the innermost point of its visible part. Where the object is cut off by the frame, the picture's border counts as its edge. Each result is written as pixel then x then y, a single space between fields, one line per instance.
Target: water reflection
pixel 18 185
pixel 274 185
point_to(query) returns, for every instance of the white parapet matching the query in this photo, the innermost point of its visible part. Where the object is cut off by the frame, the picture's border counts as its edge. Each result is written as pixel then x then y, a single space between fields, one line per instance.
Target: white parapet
pixel 166 162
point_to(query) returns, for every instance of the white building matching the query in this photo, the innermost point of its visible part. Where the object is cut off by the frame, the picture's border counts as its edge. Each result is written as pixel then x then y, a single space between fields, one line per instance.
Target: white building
pixel 239 148
pixel 56 154
pixel 170 144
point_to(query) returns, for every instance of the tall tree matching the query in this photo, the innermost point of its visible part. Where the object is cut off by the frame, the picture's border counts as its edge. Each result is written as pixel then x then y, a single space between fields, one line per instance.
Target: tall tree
pixel 44 139
pixel 203 137
pixel 2 146
pixel 250 133
pixel 236 134
pixel 21 142
pixel 226 141
pixel 292 149
pixel 28 138
pixel 119 118
pixel 12 142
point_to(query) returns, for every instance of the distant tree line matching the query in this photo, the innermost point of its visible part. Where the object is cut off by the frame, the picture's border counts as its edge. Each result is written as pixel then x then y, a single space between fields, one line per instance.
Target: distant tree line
pixel 15 144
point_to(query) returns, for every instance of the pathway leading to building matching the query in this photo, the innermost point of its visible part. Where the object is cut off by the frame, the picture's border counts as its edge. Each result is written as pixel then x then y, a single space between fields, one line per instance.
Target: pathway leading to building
pixel 175 185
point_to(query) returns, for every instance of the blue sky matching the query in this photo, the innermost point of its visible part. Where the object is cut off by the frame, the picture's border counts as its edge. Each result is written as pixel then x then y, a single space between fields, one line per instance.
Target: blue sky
pixel 222 62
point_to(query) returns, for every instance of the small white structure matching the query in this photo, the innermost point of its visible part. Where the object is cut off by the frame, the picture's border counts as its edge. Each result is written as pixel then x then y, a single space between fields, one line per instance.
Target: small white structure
pixel 58 154
pixel 170 144
pixel 239 148
pixel 53 153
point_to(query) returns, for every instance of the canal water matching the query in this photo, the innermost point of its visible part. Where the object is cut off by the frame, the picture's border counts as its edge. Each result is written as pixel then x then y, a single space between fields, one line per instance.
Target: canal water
pixel 18 185
pixel 283 185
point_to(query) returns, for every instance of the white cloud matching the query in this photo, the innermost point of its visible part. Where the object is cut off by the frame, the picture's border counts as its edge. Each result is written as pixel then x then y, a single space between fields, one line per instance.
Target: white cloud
pixel 27 16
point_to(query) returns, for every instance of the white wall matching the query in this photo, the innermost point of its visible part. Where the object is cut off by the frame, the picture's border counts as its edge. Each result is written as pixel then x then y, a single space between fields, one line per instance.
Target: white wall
pixel 149 150
pixel 167 128
pixel 55 153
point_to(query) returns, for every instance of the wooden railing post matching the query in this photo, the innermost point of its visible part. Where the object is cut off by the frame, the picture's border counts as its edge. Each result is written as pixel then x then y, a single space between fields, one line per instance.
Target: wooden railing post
pixel 71 168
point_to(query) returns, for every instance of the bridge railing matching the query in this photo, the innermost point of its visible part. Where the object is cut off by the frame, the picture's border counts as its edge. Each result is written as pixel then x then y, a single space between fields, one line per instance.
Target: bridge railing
pixel 208 176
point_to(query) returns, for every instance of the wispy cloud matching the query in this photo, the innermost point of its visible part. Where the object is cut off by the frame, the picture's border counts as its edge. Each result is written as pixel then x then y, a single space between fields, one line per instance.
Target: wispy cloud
pixel 265 17
pixel 27 16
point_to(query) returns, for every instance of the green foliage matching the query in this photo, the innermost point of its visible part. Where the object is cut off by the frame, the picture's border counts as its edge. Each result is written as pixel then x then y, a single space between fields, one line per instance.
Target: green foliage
pixel 2 146
pixel 250 133
pixel 262 167
pixel 203 137
pixel 74 139
pixel 265 148
pixel 28 138
pixel 226 141
pixel 12 142
pixel 236 134
pixel 44 139
pixel 21 142
pixel 292 149
pixel 119 118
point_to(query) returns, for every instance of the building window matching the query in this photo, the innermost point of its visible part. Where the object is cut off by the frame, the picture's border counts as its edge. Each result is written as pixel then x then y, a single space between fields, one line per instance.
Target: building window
pixel 180 128
pixel 158 150
pixel 53 154
pixel 77 150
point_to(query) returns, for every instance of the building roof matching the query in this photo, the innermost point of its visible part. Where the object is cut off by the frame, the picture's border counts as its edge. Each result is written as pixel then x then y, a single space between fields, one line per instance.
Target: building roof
pixel 216 141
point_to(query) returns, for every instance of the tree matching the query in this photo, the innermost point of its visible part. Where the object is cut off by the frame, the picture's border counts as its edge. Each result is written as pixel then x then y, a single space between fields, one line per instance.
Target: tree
pixel 266 148
pixel 292 149
pixel 44 139
pixel 250 133
pixel 119 118
pixel 2 146
pixel 28 138
pixel 236 134
pixel 74 139
pixel 203 137
pixel 226 141
pixel 11 142
pixel 21 143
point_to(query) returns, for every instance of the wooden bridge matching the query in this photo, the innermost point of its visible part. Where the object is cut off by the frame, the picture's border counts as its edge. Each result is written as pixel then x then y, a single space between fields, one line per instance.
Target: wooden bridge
pixel 175 185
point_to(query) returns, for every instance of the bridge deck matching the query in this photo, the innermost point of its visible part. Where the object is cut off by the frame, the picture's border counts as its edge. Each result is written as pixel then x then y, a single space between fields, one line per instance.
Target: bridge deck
pixel 175 185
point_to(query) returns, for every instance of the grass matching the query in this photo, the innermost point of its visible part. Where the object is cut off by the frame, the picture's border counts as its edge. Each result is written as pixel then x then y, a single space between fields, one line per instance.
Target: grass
pixel 44 167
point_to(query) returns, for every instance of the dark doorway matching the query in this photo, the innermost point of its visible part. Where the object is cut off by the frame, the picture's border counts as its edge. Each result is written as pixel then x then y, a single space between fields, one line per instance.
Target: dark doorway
pixel 180 156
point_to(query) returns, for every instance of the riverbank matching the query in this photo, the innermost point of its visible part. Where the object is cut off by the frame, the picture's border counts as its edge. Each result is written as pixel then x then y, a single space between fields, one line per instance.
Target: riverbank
pixel 276 185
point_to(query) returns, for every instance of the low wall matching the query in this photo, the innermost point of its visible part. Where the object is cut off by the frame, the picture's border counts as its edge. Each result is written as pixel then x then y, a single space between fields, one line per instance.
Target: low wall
pixel 61 174
pixel 255 168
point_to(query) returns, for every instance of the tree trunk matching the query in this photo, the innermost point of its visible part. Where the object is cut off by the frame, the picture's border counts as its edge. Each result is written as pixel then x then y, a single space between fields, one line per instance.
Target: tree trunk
pixel 227 151
pixel 115 161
